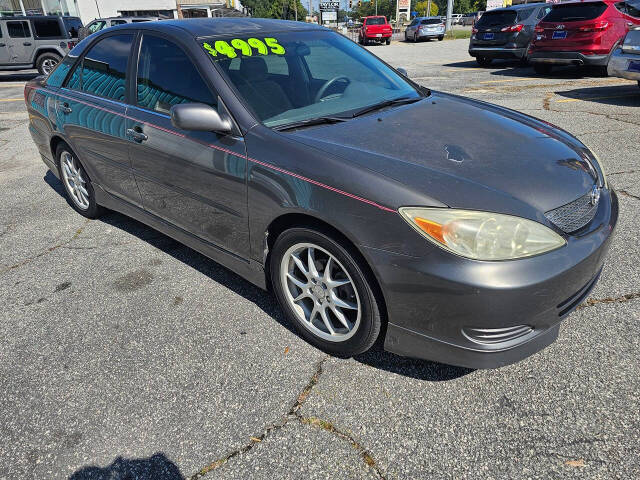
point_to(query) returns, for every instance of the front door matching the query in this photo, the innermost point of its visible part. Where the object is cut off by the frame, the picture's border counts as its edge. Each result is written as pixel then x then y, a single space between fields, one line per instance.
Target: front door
pixel 4 47
pixel 20 42
pixel 194 180
pixel 91 112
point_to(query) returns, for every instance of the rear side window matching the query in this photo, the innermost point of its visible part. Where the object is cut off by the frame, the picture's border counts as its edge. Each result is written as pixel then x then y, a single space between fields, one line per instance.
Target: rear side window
pixel 117 22
pixel 431 21
pixel 575 12
pixel 167 77
pixel 494 19
pixel 629 8
pixel 18 29
pixel 46 28
pixel 96 26
pixel 72 24
pixel 58 75
pixel 105 65
pixel 543 12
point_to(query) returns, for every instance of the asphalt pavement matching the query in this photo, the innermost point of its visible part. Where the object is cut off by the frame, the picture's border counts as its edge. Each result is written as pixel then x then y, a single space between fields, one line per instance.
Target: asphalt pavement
pixel 124 354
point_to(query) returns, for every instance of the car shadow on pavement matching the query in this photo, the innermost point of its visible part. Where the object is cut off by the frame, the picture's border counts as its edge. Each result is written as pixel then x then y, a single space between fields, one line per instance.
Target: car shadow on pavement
pixel 376 357
pixel 156 467
pixel 617 95
pixel 513 68
pixel 17 77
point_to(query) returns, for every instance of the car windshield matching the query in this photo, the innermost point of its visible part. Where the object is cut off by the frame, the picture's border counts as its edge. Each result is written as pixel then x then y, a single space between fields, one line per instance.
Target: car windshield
pixel 494 19
pixel 376 21
pixel 73 24
pixel 298 76
pixel 574 12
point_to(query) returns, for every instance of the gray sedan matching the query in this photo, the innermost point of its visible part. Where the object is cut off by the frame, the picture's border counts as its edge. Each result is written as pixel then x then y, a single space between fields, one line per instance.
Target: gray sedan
pixel 298 159
pixel 625 59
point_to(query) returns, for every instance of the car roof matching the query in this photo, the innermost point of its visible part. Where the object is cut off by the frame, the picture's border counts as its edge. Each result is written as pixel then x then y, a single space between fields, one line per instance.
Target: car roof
pixel 31 17
pixel 122 18
pixel 208 27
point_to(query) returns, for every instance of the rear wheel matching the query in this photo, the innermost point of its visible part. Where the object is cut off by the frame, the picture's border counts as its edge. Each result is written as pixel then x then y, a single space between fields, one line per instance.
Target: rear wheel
pixel 47 62
pixel 484 61
pixel 322 289
pixel 388 41
pixel 77 184
pixel 542 68
pixel 415 38
pixel 440 38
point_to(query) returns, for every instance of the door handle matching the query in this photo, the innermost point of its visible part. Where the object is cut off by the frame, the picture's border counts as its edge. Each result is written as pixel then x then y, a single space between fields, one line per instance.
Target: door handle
pixel 137 134
pixel 26 44
pixel 65 108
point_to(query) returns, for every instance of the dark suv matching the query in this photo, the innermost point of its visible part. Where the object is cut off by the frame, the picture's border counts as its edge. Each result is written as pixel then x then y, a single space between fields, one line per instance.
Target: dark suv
pixel 505 32
pixel 36 41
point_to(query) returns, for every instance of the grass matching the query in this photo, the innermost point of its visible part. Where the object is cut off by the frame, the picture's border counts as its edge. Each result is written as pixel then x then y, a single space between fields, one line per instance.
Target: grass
pixel 455 34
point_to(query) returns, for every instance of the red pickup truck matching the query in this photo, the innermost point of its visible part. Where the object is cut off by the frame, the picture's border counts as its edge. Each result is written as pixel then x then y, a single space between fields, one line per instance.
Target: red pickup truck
pixel 375 29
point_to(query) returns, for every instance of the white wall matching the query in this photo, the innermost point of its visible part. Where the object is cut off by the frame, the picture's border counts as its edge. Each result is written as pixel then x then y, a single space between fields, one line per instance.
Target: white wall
pixel 109 8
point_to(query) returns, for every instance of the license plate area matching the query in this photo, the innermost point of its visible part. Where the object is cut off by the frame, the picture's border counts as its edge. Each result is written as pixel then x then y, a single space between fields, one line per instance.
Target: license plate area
pixel 378 34
pixel 559 35
pixel 489 36
pixel 634 66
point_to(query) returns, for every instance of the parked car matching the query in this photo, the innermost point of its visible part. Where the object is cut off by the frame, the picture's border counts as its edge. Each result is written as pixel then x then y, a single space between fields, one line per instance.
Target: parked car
pixel 625 59
pixel 581 33
pixel 375 29
pixel 505 32
pixel 36 41
pixel 307 165
pixel 425 27
pixel 102 23
pixel 468 19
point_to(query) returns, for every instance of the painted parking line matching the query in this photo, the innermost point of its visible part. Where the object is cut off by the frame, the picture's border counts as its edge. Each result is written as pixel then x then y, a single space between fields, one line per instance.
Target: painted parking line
pixel 567 100
pixel 11 85
pixel 11 99
pixel 510 80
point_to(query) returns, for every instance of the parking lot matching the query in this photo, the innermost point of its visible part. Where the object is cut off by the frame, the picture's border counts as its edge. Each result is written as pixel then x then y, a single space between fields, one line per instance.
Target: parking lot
pixel 124 354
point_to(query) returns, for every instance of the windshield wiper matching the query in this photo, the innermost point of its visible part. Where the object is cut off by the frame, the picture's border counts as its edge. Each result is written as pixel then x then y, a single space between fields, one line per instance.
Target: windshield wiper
pixel 309 122
pixel 386 103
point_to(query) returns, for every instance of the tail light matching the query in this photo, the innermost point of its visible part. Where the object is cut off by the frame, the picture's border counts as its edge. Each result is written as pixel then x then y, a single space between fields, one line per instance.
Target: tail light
pixel 538 29
pixel 474 30
pixel 70 45
pixel 594 27
pixel 513 28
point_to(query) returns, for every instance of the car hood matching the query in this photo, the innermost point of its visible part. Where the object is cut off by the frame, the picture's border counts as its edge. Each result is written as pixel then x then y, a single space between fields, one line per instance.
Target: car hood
pixel 464 153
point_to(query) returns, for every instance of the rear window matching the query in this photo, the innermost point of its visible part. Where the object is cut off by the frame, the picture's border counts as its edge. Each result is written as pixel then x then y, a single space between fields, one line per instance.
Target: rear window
pixel 524 13
pixel 376 21
pixel 72 24
pixel 575 12
pixel 431 21
pixel 47 28
pixel 494 19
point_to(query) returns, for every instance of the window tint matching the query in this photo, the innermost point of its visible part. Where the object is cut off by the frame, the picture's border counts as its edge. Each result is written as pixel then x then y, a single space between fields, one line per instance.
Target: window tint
pixel 543 12
pixel 497 18
pixel 524 13
pixel 58 75
pixel 105 65
pixel 431 21
pixel 576 12
pixel 46 28
pixel 376 21
pixel 117 22
pixel 72 24
pixel 633 9
pixel 167 77
pixel 97 26
pixel 18 29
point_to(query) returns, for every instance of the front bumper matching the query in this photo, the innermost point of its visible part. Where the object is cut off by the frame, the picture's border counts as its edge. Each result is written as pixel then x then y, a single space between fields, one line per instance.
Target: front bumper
pixel 497 52
pixel 567 58
pixel 619 64
pixel 488 314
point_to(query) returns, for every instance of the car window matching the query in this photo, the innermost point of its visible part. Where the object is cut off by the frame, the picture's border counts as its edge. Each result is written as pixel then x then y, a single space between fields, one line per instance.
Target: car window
pixel 543 12
pixel 97 26
pixel 104 67
pixel 73 26
pixel 166 77
pixel 141 20
pixel 376 21
pixel 18 29
pixel 57 76
pixel 575 12
pixel 633 9
pixel 117 22
pixel 431 21
pixel 497 18
pixel 414 22
pixel 524 13
pixel 46 28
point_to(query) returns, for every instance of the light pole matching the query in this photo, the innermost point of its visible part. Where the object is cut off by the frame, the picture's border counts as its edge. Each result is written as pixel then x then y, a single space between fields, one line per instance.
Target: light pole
pixel 449 13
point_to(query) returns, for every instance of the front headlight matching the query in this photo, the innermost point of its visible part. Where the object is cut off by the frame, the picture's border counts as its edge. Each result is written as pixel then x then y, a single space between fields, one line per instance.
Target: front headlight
pixel 482 235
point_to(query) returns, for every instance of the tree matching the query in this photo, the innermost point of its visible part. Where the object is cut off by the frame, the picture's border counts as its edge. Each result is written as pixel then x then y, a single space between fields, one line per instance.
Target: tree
pixel 385 7
pixel 283 9
pixel 422 6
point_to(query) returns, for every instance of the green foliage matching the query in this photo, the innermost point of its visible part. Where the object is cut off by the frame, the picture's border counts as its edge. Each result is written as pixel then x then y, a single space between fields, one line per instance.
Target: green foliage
pixel 422 6
pixel 385 7
pixel 283 9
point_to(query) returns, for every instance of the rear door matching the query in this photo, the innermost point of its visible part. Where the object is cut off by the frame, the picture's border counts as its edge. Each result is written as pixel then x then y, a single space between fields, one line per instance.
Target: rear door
pixel 194 180
pixel 20 42
pixel 490 25
pixel 4 48
pixel 91 112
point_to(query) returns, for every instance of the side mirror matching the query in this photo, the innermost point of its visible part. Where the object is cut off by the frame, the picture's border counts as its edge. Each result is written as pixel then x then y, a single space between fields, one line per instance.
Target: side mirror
pixel 198 116
pixel 402 71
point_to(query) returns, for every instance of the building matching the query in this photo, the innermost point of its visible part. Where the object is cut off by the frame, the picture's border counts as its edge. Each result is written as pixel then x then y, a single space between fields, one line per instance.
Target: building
pixel 208 8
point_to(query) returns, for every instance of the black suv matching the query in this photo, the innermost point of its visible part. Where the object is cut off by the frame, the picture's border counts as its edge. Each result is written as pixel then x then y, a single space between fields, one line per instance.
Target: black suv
pixel 36 41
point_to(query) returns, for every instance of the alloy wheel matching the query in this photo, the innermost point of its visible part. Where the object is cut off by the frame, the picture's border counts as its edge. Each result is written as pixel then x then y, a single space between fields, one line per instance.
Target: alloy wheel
pixel 320 291
pixel 48 65
pixel 74 181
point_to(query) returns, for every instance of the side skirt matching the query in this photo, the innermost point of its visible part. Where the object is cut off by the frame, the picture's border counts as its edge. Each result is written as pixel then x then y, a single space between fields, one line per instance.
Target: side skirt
pixel 248 269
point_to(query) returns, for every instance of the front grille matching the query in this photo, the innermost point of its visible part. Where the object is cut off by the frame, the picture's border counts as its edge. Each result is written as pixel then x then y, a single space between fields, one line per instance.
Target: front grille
pixel 574 215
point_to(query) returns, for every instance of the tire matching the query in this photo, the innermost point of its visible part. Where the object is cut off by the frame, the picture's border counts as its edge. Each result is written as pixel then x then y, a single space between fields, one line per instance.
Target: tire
pixel 388 41
pixel 406 39
pixel 91 209
pixel 542 68
pixel 440 38
pixel 365 321
pixel 638 83
pixel 415 38
pixel 47 62
pixel 484 61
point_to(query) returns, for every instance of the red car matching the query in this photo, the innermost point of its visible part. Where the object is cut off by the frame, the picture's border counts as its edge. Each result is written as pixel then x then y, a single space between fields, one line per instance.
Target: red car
pixel 580 33
pixel 375 29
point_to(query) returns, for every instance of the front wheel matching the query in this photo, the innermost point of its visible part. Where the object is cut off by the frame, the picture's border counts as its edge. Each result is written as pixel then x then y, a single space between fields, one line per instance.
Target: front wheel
pixel 323 290
pixel 47 62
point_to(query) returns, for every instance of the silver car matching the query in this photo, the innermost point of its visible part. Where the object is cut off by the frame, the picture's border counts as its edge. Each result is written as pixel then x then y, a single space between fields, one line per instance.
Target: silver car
pixel 425 27
pixel 625 59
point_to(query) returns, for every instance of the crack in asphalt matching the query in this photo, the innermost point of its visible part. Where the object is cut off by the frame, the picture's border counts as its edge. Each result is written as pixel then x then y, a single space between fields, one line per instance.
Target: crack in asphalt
pixel 47 251
pixel 622 172
pixel 294 415
pixel 627 194
pixel 621 299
